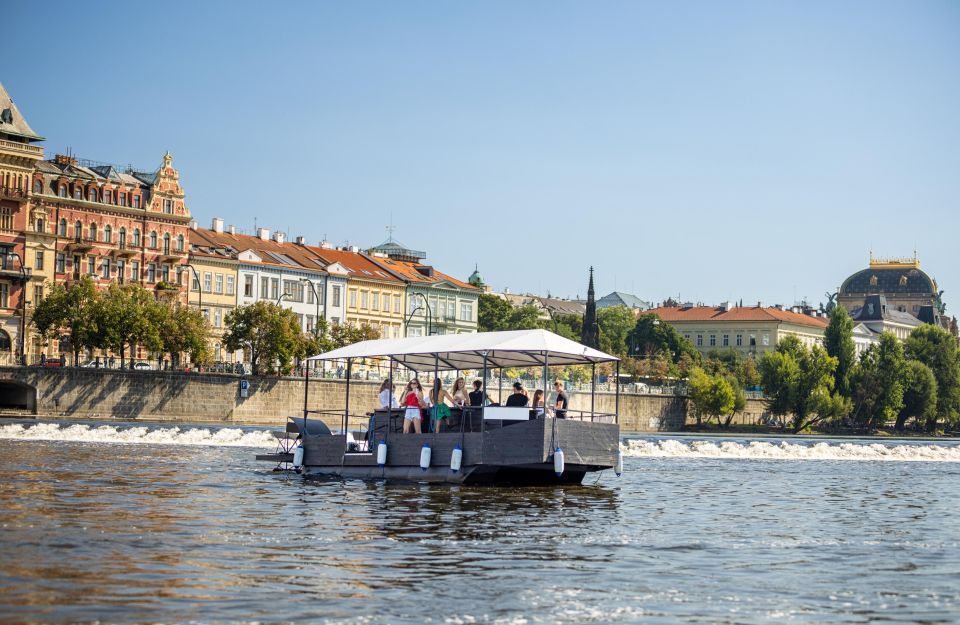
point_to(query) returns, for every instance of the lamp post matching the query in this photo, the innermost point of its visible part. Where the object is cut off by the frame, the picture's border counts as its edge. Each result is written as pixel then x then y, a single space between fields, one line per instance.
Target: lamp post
pixel 282 295
pixel 199 287
pixel 316 297
pixel 23 304
pixel 429 316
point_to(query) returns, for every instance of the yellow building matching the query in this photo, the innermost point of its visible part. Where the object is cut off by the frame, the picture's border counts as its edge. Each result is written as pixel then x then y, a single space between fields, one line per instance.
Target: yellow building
pixel 213 288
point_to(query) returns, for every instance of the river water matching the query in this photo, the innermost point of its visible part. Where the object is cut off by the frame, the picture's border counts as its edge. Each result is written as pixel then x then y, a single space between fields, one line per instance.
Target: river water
pixel 123 524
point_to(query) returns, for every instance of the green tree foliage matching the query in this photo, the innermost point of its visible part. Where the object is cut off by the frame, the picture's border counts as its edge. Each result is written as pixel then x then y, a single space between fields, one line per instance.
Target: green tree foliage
pixel 878 382
pixel 66 314
pixel 798 382
pixel 838 339
pixel 126 316
pixel 651 336
pixel 728 361
pixel 268 333
pixel 493 313
pixel 712 396
pixel 919 396
pixel 615 323
pixel 342 335
pixel 183 330
pixel 937 348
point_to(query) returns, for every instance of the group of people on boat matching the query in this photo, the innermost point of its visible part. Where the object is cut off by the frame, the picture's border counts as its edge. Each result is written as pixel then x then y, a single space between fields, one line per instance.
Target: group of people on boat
pixel 435 408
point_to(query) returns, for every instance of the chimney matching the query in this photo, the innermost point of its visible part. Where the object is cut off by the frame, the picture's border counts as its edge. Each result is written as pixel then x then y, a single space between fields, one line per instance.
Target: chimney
pixel 301 241
pixel 193 224
pixel 263 233
pixel 279 237
pixel 63 159
pixel 326 245
pixel 354 249
pixel 232 229
pixel 217 225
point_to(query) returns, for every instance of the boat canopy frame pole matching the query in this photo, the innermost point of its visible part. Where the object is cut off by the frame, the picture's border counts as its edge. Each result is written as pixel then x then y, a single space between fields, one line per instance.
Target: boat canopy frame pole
pixel 616 404
pixel 389 404
pixel 306 395
pixel 593 387
pixel 346 410
pixel 546 383
pixel 435 423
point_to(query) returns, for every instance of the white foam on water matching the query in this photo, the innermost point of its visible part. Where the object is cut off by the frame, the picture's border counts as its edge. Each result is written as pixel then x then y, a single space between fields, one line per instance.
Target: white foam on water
pixel 783 450
pixel 216 437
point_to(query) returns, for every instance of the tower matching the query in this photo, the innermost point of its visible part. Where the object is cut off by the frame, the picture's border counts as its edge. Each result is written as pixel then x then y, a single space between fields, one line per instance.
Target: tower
pixel 590 336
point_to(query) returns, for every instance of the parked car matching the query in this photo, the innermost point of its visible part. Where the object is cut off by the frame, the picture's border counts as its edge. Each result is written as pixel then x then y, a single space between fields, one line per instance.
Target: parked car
pixel 142 366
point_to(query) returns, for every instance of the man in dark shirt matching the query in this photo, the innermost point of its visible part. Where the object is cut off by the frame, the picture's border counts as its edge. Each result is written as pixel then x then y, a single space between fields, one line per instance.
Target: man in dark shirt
pixel 518 399
pixel 561 405
pixel 476 396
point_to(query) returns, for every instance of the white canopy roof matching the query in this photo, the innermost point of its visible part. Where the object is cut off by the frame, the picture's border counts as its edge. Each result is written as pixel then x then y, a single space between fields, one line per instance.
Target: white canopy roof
pixel 515 348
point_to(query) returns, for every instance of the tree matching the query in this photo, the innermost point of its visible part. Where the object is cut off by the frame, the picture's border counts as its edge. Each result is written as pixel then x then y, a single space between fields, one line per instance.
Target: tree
pixel 937 348
pixel 877 383
pixel 731 362
pixel 493 313
pixel 343 334
pixel 651 336
pixel 65 313
pixel 126 315
pixel 798 382
pixel 919 396
pixel 183 330
pixel 269 334
pixel 615 323
pixel 838 340
pixel 712 396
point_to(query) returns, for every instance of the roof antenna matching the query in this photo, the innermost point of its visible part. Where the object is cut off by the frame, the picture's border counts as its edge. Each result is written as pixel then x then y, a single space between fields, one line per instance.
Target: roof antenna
pixel 390 229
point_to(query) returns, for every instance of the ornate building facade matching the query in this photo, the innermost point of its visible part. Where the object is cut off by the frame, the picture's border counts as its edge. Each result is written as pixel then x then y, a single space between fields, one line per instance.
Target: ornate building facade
pixel 905 286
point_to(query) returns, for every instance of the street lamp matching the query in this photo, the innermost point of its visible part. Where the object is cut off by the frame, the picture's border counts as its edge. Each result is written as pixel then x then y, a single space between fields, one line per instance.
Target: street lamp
pixel 429 315
pixel 23 304
pixel 316 297
pixel 199 286
pixel 282 295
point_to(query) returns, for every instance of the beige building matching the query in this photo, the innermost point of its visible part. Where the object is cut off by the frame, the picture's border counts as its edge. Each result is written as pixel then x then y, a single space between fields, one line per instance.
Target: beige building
pixel 213 290
pixel 749 330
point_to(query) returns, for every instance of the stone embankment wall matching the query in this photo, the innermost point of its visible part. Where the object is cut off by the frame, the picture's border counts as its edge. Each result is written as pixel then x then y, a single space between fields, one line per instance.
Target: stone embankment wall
pixel 158 396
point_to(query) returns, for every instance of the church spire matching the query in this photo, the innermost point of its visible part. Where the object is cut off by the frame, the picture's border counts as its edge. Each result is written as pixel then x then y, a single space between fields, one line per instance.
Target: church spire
pixel 590 335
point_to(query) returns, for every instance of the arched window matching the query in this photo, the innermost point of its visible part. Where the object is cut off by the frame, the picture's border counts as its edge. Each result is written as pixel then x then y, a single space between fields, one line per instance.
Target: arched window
pixel 153 239
pixel 63 190
pixel 166 242
pixel 19 182
pixel 93 231
pixel 62 230
pixel 41 226
pixel 38 186
pixel 179 242
pixel 78 230
pixel 92 194
pixel 107 234
pixel 136 237
pixel 77 193
pixel 5 342
pixel 123 237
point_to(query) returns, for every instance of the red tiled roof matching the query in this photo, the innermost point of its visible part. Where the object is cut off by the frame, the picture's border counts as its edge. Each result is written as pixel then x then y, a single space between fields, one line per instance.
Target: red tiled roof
pixel 408 271
pixel 359 265
pixel 737 313
pixel 301 257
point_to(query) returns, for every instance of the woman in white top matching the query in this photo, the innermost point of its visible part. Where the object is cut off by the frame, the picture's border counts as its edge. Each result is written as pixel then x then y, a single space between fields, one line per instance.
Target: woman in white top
pixel 460 396
pixel 386 393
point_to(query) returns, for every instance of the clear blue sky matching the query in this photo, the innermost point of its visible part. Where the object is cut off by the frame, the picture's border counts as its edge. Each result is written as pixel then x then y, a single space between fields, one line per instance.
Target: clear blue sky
pixel 753 150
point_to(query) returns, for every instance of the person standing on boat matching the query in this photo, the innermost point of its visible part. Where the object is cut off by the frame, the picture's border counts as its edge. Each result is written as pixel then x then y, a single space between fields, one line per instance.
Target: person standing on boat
pixel 562 403
pixel 460 396
pixel 537 408
pixel 388 398
pixel 477 395
pixel 439 411
pixel 413 402
pixel 518 399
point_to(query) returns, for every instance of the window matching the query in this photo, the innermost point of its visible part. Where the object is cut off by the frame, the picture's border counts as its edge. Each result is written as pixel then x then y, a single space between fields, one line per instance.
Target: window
pixel 726 340
pixel 195 283
pixel 274 288
pixel 396 303
pixel 376 301
pixel 136 201
pixel 153 239
pixel 41 225
pixel 38 260
pixel 293 289
pixel 309 327
pixel 107 196
pixel 78 230
pixel 433 308
pixel 105 268
pixel 61 263
pixel 5 299
pixel 122 237
pixel 166 242
pixel 165 273
pixel 466 311
pixel 207 281
pixel 739 340
pixel 37 294
pixel 92 234
pixel 92 194
pixel 753 340
pixel 230 285
pixel 363 300
pixel 179 242
pixel 37 186
pixel 77 193
pixel 766 339
pixel 713 340
pixel 248 286
pixel 123 199
pixel 217 316
pixel 168 207
pixel 136 237
pixel 135 271
pixel 6 218
pixel 451 309
pixel 152 272
pixel 264 288
pixel 107 234
pixel 309 294
pixel 63 191
pixel 699 340
pixel 336 297
pixel 353 298
pixel 92 265
pixel 218 283
pixel 62 228
pixel 121 267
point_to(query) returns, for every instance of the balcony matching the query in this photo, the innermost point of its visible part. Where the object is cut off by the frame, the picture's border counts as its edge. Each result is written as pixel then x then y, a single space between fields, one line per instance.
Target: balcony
pixel 80 244
pixel 168 255
pixel 123 251
pixel 11 193
pixel 21 149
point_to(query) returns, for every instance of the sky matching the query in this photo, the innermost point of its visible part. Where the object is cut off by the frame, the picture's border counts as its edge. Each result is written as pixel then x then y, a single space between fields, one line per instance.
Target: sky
pixel 704 151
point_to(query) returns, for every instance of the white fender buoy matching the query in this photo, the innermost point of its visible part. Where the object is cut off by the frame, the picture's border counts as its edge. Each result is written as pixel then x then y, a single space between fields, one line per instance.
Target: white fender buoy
pixel 619 468
pixel 456 458
pixel 425 456
pixel 298 456
pixel 382 454
pixel 558 461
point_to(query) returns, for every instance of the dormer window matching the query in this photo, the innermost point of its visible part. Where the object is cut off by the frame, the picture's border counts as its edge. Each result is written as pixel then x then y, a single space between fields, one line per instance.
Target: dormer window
pixel 873 280
pixel 77 193
pixel 63 190
pixel 136 201
pixel 38 186
pixel 92 194
pixel 107 196
pixel 168 206
pixel 123 199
